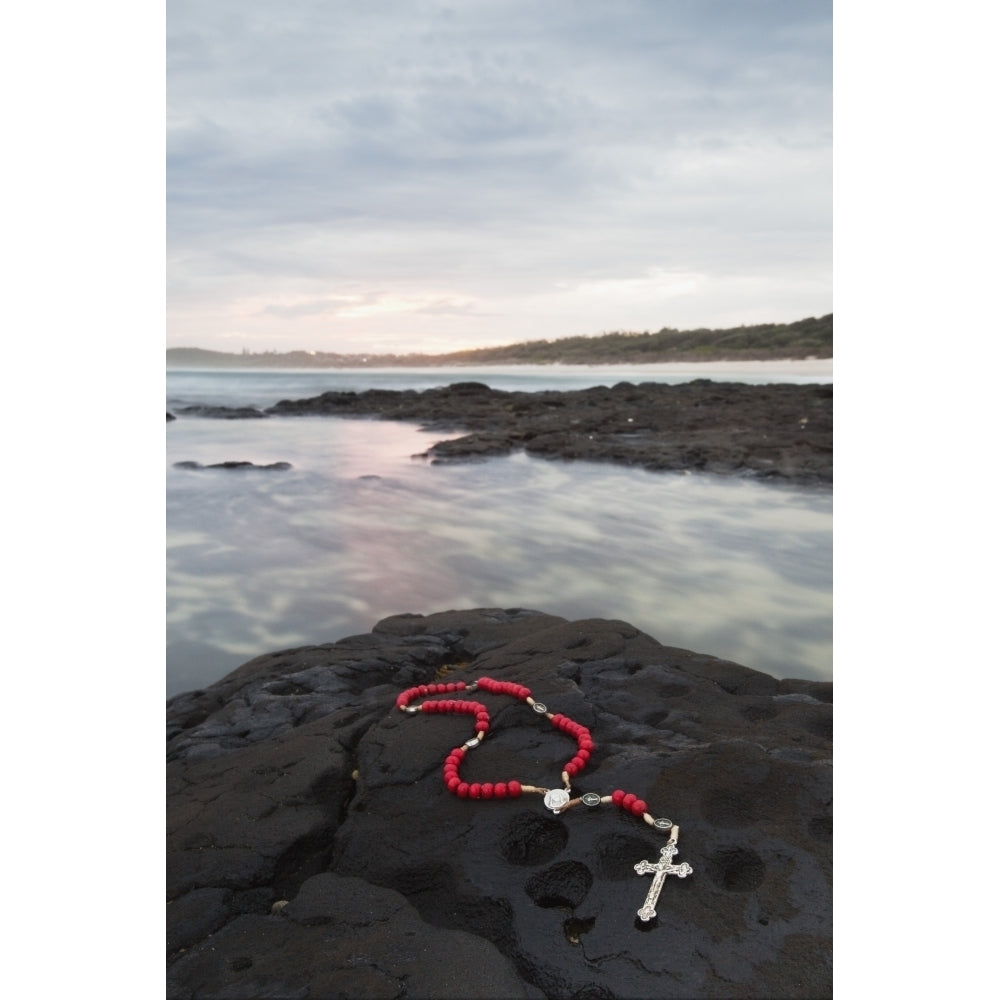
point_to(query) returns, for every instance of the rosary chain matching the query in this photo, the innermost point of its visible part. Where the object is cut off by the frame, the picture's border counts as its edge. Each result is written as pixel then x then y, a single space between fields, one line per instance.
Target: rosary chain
pixel 558 800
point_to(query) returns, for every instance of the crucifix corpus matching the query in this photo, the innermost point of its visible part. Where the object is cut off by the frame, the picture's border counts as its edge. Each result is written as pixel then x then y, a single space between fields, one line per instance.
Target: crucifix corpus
pixel 660 871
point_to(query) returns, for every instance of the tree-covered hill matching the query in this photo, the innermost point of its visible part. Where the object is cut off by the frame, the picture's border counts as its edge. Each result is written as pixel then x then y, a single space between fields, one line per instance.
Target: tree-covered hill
pixel 806 338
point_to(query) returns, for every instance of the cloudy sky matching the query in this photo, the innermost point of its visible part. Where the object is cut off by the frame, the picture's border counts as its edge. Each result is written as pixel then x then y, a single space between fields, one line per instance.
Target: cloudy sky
pixel 414 175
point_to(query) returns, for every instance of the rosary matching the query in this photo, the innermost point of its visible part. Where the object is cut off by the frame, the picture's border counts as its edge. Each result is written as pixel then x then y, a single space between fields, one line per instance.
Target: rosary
pixel 559 800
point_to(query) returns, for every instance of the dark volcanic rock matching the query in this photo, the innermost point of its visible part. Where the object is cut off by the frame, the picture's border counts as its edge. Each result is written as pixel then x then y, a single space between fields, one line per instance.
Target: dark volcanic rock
pixel 274 466
pixel 782 432
pixel 768 431
pixel 222 412
pixel 313 850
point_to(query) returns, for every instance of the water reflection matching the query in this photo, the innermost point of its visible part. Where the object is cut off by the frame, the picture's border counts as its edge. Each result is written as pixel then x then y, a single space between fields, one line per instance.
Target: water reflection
pixel 357 530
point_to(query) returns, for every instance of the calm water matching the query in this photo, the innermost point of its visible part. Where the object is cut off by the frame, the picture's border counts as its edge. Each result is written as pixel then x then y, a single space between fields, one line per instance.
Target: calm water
pixel 264 388
pixel 359 529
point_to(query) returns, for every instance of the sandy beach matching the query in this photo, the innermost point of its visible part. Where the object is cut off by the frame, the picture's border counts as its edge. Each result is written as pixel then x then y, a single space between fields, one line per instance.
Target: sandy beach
pixel 819 368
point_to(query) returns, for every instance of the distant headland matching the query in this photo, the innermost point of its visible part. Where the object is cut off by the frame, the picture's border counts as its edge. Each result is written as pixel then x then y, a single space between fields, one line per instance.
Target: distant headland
pixel 805 338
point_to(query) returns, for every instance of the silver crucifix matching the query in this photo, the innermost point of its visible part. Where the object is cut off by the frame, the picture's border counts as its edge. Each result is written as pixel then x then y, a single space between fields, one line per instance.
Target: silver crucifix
pixel 660 871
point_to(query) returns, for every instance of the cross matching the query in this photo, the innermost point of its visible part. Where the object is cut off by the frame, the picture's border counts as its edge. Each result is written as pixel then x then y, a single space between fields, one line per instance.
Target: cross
pixel 660 871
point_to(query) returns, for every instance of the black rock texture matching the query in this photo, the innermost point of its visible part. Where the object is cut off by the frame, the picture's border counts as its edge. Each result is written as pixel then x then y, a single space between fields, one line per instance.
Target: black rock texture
pixel 781 432
pixel 222 412
pixel 272 467
pixel 314 851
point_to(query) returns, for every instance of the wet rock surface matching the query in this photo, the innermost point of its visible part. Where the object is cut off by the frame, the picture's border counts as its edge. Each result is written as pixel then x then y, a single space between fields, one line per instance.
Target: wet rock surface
pixel 314 851
pixel 782 432
pixel 222 412
pixel 272 467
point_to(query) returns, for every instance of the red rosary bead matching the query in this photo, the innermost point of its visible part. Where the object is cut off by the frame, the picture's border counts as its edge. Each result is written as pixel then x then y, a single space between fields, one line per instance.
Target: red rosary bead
pixel 423 690
pixel 482 724
pixel 406 697
pixel 503 687
pixel 629 802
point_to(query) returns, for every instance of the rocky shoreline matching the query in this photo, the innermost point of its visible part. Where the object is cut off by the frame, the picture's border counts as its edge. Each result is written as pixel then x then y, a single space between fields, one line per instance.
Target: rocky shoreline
pixel 781 432
pixel 314 851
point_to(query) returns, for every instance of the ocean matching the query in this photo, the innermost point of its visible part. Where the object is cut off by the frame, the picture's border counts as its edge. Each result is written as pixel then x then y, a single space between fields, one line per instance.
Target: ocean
pixel 360 528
